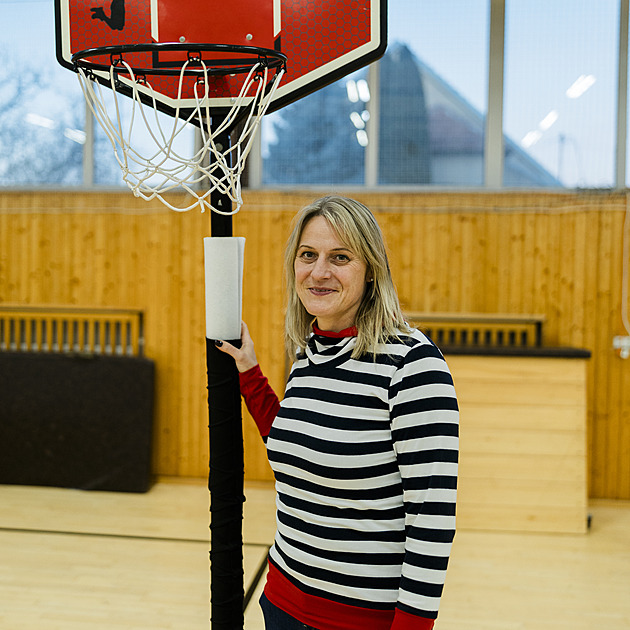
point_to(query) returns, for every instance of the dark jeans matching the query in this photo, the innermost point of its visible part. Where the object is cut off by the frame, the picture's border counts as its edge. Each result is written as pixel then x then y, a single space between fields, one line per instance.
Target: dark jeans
pixel 276 619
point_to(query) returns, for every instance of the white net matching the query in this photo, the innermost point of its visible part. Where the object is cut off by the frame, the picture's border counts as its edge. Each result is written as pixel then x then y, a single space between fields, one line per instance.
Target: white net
pixel 160 169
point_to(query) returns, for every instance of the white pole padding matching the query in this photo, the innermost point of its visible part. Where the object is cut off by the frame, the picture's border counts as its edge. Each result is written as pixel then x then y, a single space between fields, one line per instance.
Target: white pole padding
pixel 223 257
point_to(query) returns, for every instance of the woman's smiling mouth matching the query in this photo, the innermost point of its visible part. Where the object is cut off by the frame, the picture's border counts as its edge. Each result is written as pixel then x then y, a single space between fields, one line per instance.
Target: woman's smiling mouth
pixel 321 291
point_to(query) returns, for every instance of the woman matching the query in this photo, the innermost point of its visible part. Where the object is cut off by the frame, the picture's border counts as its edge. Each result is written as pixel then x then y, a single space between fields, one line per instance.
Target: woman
pixel 364 443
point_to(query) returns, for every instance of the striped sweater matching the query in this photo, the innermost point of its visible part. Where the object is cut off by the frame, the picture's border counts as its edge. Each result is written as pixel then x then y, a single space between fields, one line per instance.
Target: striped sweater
pixel 364 452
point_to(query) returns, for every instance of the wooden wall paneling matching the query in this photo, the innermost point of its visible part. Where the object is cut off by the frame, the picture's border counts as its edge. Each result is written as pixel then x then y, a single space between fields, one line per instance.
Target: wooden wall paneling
pixel 552 219
pixel 263 265
pixel 30 282
pixel 477 280
pixel 436 279
pixel 31 274
pixel 615 461
pixel 68 279
pixel 28 273
pixel 165 438
pixel 420 294
pixel 197 370
pixel 565 223
pixel 590 258
pixel 542 268
pixel 42 258
pixel 4 254
pixel 167 333
pixel 515 248
pixel 623 370
pixel 194 226
pixel 460 246
pixel 128 263
pixel 409 287
pixel 110 252
pixel 449 262
pixel 555 254
pixel 423 282
pixel 603 446
pixel 406 251
pixel 527 281
pixel 20 267
pixel 458 234
pixel 433 289
pixel 181 254
pixel 601 417
pixel 389 223
pixel 578 282
pixel 170 286
pixel 182 259
pixel 59 261
pixel 624 403
pixel 503 263
pixel 426 281
pixel 8 237
pixel 492 272
pixel 182 332
pixel 94 286
pixel 11 245
pixel 405 254
pixel 623 489
pixel 256 292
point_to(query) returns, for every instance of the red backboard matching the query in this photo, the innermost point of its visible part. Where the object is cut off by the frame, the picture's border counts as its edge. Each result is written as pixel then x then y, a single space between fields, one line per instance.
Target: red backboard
pixel 323 40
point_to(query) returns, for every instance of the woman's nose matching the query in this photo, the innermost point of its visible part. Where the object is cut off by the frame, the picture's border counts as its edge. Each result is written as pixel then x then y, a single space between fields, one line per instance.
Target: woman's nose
pixel 321 269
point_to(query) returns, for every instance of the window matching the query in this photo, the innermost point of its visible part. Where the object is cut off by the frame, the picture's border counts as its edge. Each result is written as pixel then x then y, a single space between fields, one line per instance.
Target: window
pixel 427 100
pixel 560 89
pixel 318 139
pixel 434 93
pixel 42 113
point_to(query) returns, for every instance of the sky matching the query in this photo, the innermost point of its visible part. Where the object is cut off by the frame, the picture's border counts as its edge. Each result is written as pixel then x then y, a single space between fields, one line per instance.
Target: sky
pixel 549 44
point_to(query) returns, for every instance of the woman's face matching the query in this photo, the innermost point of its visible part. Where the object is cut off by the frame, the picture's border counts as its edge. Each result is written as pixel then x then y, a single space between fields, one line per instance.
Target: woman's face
pixel 330 278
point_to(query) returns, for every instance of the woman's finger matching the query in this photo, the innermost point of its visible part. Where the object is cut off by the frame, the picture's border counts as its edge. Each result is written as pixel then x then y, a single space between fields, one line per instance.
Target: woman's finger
pixel 245 356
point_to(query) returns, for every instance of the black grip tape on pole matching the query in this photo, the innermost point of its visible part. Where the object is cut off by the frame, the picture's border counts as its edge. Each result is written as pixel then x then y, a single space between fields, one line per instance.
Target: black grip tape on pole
pixel 225 483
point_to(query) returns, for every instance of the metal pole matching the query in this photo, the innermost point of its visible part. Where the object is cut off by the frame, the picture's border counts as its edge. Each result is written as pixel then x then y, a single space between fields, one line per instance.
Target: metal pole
pixel 622 98
pixel 225 479
pixel 373 125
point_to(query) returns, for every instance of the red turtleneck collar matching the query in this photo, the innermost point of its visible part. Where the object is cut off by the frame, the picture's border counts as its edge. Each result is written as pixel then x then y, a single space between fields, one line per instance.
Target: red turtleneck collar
pixel 346 332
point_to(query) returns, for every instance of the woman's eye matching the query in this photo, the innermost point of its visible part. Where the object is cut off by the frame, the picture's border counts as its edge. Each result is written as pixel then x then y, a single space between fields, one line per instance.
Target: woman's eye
pixel 307 255
pixel 342 258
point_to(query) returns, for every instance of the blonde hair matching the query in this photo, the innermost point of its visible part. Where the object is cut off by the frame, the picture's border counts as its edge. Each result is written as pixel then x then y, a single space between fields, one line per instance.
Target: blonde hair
pixel 379 316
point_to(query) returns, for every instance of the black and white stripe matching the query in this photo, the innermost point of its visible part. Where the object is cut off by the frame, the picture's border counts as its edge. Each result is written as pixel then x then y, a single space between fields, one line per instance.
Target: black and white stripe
pixel 365 457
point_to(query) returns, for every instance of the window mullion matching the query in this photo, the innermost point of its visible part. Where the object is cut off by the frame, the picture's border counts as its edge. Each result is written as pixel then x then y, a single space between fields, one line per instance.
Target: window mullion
pixel 493 153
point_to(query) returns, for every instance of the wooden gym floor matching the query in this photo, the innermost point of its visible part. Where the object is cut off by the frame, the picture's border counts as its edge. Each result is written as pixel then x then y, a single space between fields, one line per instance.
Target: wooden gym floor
pixel 109 561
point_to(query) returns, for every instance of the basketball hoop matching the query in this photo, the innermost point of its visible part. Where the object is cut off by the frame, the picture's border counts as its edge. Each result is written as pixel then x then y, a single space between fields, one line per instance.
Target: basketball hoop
pixel 213 167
